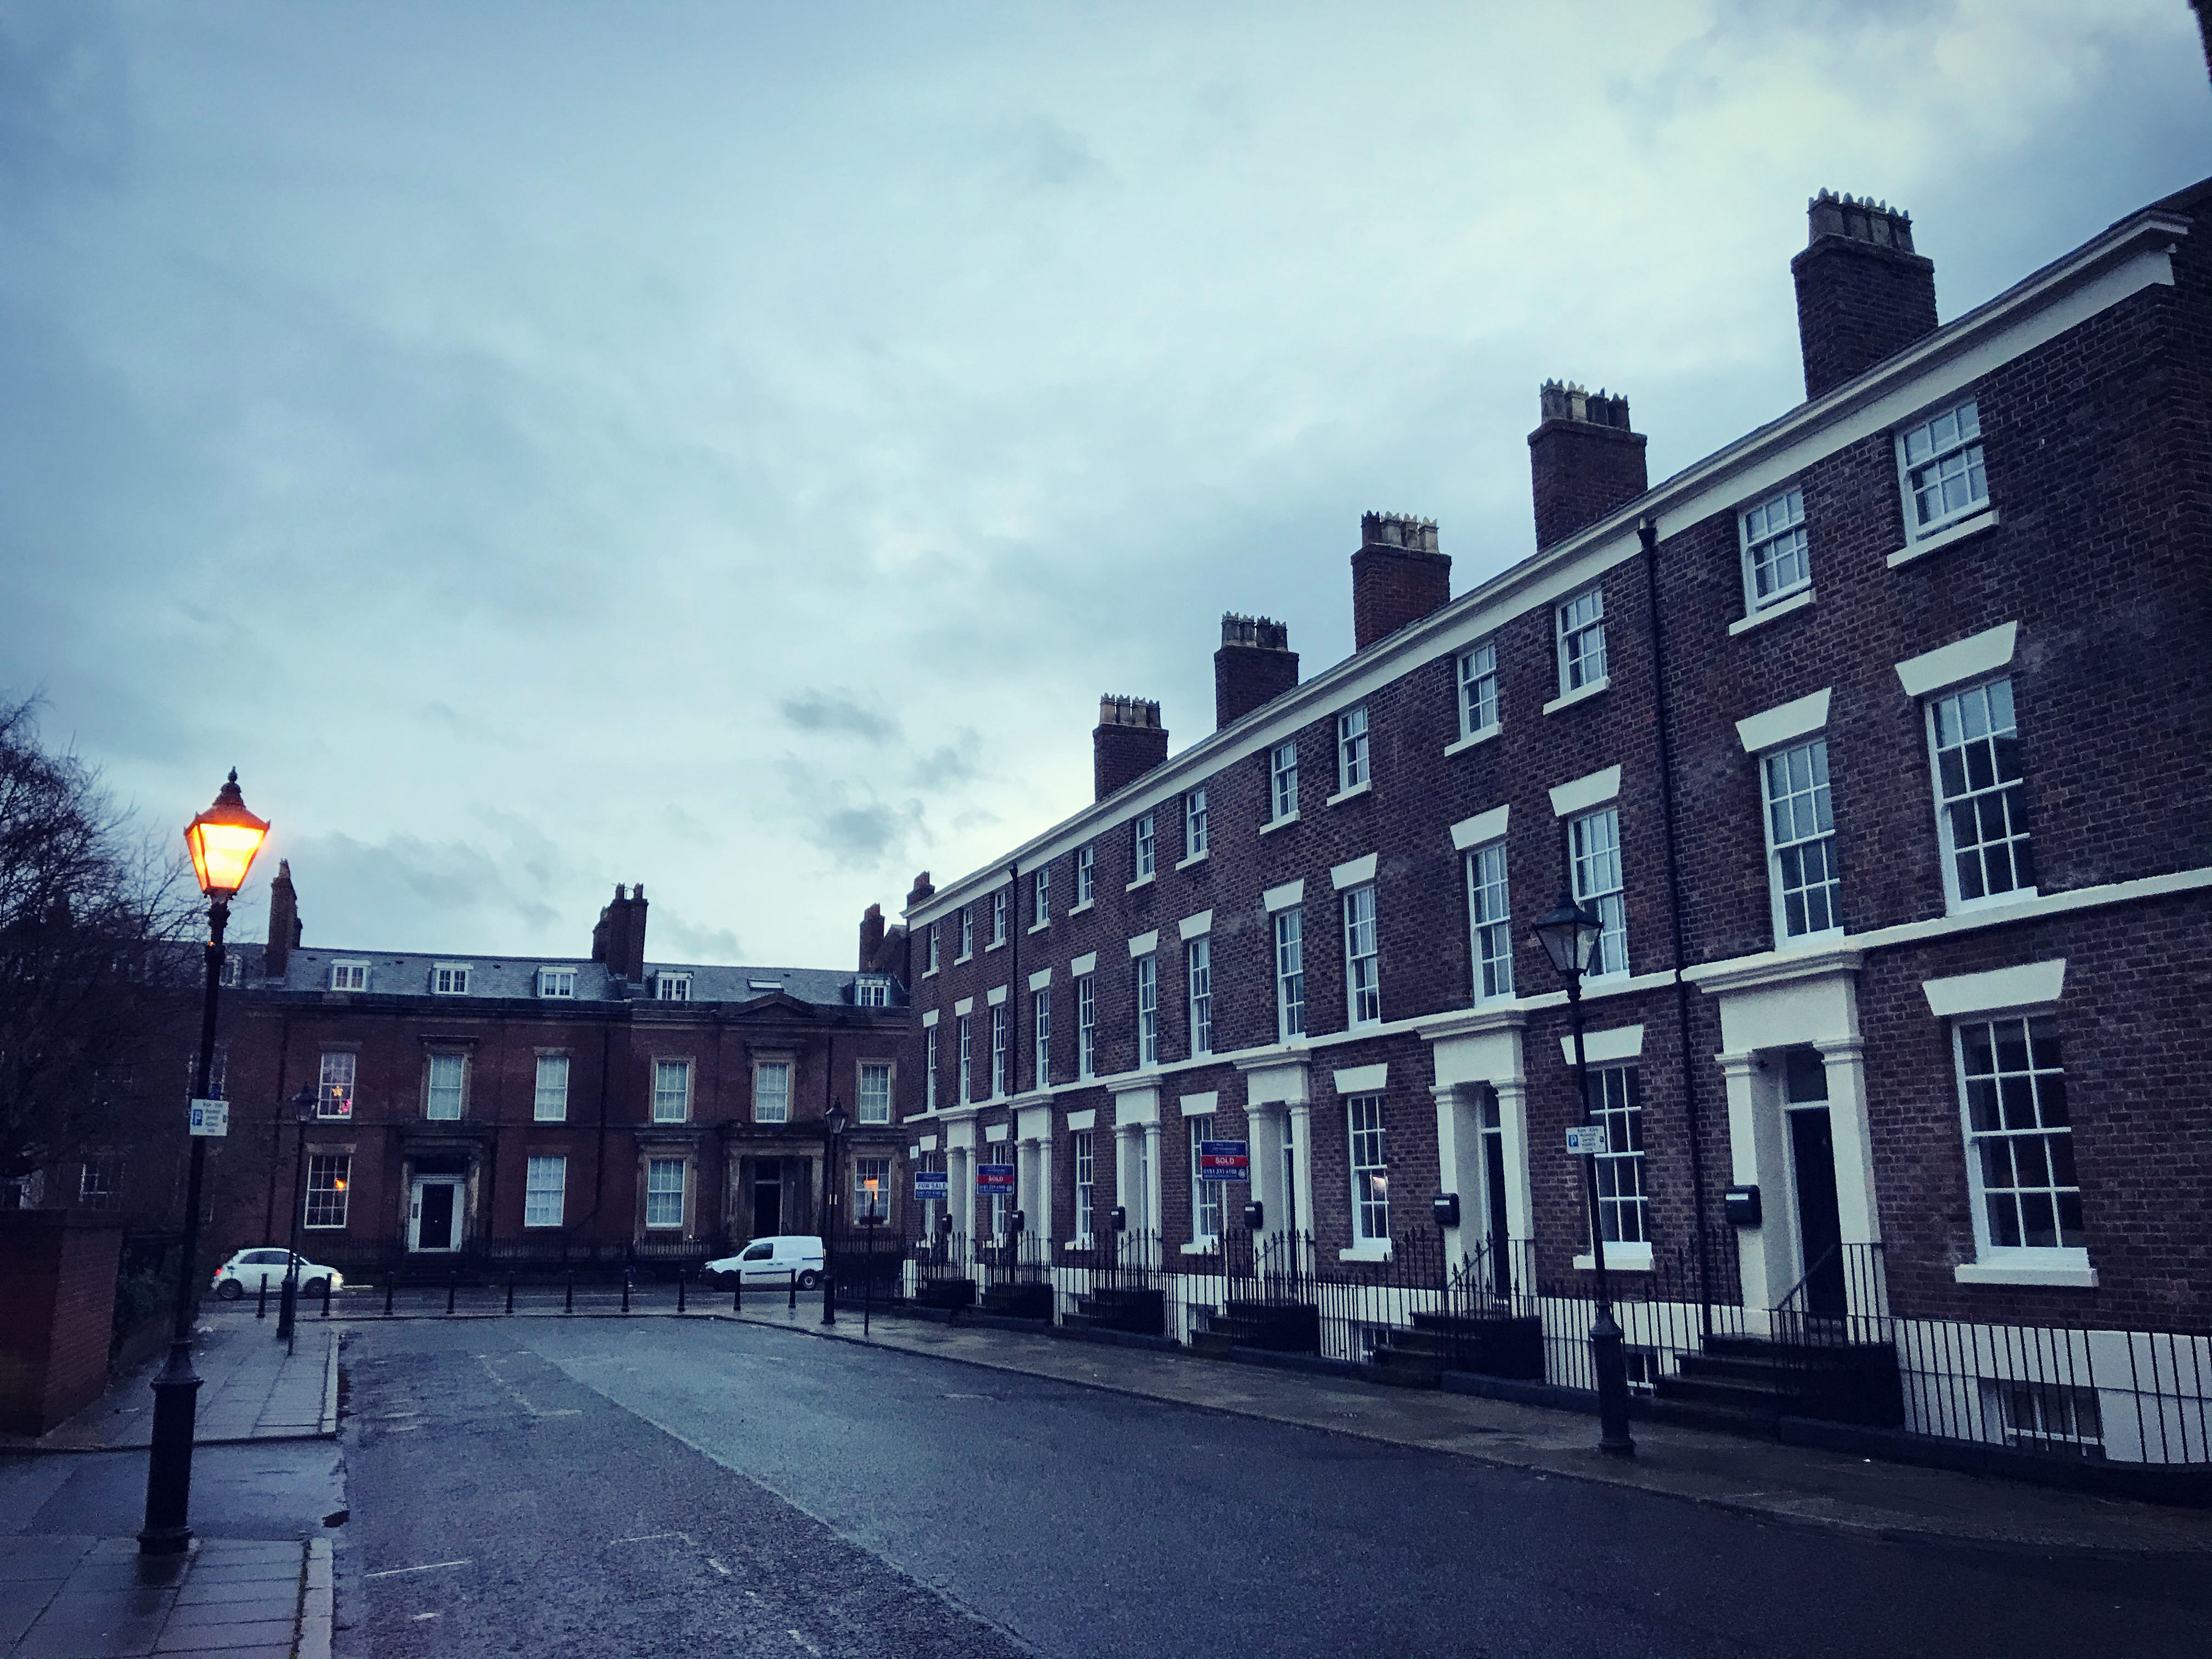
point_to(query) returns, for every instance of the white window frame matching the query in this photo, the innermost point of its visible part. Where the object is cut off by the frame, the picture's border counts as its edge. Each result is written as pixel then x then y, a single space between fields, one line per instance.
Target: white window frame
pixel 1147 972
pixel 772 1105
pixel 672 1104
pixel 339 1068
pixel 2011 798
pixel 1086 873
pixel 998 917
pixel 1289 973
pixel 433 1091
pixel 1205 1206
pixel 929 1068
pixel 330 1178
pixel 1578 622
pixel 549 1099
pixel 671 987
pixel 1367 1159
pixel 1283 781
pixel 1773 536
pixel 1961 442
pixel 872 991
pixel 1363 956
pixel 1808 810
pixel 545 1190
pixel 1478 689
pixel 1083 1165
pixel 558 982
pixel 2030 1090
pixel 1616 1101
pixel 1594 859
pixel 1490 921
pixel 967 933
pixel 1145 851
pixel 1041 897
pixel 1351 759
pixel 1196 834
pixel 450 978
pixel 658 1192
pixel 932 950
pixel 871 1093
pixel 1197 977
pixel 348 976
pixel 880 1167
pixel 999 1057
pixel 1040 1034
pixel 964 1031
pixel 1086 1025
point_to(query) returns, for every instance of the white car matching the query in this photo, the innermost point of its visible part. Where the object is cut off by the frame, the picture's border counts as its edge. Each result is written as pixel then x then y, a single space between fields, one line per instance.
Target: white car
pixel 249 1271
pixel 771 1260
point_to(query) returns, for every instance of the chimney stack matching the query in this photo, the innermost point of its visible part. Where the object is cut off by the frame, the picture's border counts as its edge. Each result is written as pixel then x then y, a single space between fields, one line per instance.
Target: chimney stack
pixel 1583 461
pixel 1254 666
pixel 872 937
pixel 1129 742
pixel 923 889
pixel 283 922
pixel 619 938
pixel 1862 294
pixel 1397 576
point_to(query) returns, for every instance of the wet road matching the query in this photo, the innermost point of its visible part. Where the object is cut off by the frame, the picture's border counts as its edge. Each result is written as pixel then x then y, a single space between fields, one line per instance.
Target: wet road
pixel 666 1488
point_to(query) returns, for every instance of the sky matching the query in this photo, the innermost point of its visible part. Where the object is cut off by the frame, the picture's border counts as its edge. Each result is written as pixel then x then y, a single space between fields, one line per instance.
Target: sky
pixel 731 447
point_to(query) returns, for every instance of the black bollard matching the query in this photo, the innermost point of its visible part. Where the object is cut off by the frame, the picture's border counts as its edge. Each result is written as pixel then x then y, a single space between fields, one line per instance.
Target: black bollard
pixel 452 1283
pixel 326 1295
pixel 510 1293
pixel 571 1306
pixel 792 1305
pixel 737 1291
pixel 391 1283
pixel 679 1289
pixel 625 1290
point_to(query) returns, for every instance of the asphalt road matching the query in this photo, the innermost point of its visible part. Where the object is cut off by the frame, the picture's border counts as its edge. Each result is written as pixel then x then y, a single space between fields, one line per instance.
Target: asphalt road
pixel 657 1488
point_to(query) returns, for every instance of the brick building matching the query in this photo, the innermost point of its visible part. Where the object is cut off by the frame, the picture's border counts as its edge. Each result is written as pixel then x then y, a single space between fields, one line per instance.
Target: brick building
pixel 538 1109
pixel 1877 739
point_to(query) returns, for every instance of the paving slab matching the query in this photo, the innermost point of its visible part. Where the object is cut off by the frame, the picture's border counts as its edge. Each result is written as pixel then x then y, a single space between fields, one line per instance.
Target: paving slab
pixel 228 1596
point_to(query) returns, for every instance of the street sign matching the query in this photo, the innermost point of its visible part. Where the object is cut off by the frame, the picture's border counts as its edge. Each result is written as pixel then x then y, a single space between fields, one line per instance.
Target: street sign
pixel 1586 1139
pixel 1223 1160
pixel 932 1186
pixel 994 1177
pixel 210 1117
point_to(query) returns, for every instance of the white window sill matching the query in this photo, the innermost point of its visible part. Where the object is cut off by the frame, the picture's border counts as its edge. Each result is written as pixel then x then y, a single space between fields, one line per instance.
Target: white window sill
pixel 2077 1274
pixel 1195 858
pixel 1141 881
pixel 1619 1258
pixel 1357 790
pixel 1994 902
pixel 1202 1247
pixel 1082 1241
pixel 1366 1252
pixel 1077 909
pixel 996 944
pixel 1768 613
pixel 929 973
pixel 1283 823
pixel 1039 927
pixel 1580 694
pixel 971 957
pixel 1950 535
pixel 1474 738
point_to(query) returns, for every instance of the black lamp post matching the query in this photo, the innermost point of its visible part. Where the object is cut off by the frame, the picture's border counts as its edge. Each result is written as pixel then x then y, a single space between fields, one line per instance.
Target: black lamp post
pixel 303 1113
pixel 833 1126
pixel 222 841
pixel 1570 937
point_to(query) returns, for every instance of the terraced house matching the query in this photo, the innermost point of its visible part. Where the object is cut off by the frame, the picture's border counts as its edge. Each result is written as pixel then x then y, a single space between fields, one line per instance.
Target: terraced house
pixel 1875 740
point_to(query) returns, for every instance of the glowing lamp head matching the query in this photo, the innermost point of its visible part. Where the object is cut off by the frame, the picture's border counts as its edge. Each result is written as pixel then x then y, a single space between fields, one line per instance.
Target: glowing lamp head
pixel 1569 935
pixel 223 841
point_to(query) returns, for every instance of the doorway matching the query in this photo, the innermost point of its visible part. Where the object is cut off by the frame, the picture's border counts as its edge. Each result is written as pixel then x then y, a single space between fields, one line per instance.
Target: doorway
pixel 1813 1174
pixel 768 1197
pixel 1498 1235
pixel 434 1217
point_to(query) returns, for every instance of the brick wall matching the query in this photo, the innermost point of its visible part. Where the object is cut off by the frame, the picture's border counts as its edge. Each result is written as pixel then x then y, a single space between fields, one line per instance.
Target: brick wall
pixel 57 1306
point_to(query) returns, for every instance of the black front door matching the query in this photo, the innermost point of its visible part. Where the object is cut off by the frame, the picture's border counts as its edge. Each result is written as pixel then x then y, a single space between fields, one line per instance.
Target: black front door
pixel 1820 1230
pixel 768 1197
pixel 1494 1196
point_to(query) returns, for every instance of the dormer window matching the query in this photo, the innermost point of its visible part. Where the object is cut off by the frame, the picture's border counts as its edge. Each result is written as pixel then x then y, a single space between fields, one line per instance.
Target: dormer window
pixel 671 987
pixel 872 991
pixel 556 982
pixel 348 976
pixel 450 978
pixel 764 985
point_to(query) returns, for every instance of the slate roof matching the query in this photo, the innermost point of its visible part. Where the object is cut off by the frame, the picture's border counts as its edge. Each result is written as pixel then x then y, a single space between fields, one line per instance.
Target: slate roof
pixel 407 973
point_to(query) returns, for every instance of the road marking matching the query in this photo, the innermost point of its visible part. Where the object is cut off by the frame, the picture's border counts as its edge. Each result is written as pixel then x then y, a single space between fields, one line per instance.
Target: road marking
pixel 420 1617
pixel 516 1393
pixel 802 1641
pixel 649 1537
pixel 718 1566
pixel 432 1566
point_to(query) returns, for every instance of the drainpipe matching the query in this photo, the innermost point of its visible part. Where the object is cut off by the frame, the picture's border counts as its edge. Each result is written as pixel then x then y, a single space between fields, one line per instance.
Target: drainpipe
pixel 275 1130
pixel 1647 533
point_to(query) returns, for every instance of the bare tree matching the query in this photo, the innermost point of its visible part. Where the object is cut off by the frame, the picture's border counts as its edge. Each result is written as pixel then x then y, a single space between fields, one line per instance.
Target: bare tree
pixel 94 958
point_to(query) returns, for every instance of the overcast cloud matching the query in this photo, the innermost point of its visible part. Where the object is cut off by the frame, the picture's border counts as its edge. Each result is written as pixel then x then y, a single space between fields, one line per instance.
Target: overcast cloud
pixel 731 447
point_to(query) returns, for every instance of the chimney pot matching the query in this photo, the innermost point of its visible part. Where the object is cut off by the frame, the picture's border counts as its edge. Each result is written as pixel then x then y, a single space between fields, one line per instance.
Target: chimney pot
pixel 1862 294
pixel 1583 460
pixel 1254 666
pixel 1128 742
pixel 1398 575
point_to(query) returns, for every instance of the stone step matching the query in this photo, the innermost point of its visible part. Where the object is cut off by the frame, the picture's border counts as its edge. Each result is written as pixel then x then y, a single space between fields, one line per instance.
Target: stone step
pixel 1743 1397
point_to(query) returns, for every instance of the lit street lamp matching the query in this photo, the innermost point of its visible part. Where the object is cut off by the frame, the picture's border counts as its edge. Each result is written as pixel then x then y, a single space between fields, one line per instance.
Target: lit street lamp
pixel 304 1106
pixel 1570 937
pixel 833 1126
pixel 223 842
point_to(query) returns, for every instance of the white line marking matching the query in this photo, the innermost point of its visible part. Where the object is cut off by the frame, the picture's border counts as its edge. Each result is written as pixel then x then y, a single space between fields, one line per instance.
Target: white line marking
pixel 432 1566
pixel 718 1566
pixel 802 1641
pixel 649 1537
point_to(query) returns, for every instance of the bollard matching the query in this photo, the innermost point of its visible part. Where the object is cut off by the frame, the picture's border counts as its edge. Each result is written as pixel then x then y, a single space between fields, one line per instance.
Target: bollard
pixel 571 1306
pixel 326 1295
pixel 737 1291
pixel 510 1293
pixel 391 1283
pixel 625 1290
pixel 792 1305
pixel 261 1299
pixel 679 1289
pixel 452 1283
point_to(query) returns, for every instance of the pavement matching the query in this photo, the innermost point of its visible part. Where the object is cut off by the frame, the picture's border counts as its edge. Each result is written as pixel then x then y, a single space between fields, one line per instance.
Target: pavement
pixel 266 1482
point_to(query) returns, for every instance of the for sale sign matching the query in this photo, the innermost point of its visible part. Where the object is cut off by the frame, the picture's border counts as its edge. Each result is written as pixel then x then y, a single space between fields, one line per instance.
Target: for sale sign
pixel 932 1186
pixel 1223 1160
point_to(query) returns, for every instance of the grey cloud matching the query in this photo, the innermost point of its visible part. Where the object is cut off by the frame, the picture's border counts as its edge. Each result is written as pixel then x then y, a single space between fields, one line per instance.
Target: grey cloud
pixel 960 760
pixel 669 937
pixel 836 712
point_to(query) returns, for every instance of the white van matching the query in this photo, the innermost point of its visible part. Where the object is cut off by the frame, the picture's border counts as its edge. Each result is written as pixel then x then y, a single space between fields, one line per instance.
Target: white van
pixel 772 1260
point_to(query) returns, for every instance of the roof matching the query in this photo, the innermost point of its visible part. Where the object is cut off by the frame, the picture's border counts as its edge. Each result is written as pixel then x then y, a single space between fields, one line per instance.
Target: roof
pixel 409 973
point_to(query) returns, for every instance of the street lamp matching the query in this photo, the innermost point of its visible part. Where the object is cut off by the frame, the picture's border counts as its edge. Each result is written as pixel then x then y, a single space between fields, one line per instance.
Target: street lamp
pixel 1570 936
pixel 833 1125
pixel 304 1105
pixel 223 842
